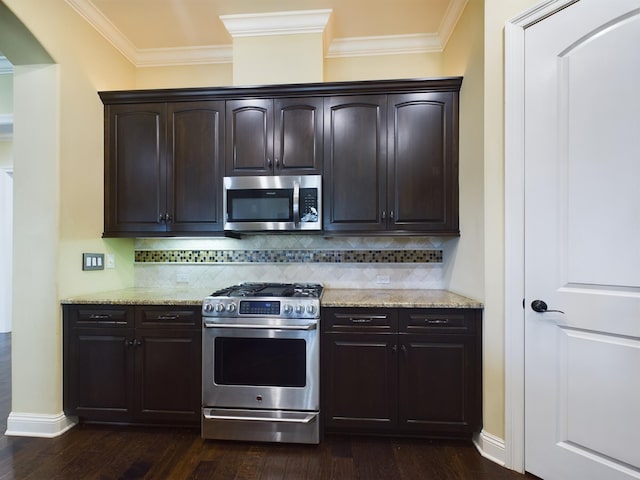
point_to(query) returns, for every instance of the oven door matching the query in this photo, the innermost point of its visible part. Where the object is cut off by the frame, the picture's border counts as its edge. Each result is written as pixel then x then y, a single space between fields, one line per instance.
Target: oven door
pixel 254 365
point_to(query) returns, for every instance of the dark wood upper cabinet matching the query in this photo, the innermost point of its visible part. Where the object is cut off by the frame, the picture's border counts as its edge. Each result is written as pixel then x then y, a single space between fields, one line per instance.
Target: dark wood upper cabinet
pixel 387 150
pixel 391 163
pixel 135 168
pixel 422 169
pixel 355 163
pixel 163 168
pixel 279 136
pixel 195 146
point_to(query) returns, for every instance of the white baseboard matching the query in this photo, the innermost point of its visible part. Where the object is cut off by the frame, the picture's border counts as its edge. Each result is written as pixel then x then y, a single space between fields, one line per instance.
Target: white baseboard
pixel 490 447
pixel 38 424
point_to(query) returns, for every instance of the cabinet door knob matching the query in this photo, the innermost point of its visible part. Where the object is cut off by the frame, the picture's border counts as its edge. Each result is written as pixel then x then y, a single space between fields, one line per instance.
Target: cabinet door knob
pixel 384 215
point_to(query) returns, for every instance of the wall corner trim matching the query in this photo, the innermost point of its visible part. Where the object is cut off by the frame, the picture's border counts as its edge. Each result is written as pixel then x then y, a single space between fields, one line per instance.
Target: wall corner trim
pixel 21 424
pixel 490 447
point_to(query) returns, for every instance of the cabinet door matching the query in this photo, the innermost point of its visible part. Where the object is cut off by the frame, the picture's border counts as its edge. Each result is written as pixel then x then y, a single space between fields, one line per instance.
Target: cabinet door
pixel 194 150
pixel 355 163
pixel 423 162
pixel 168 376
pixel 437 384
pixel 99 373
pixel 298 136
pixel 440 380
pixel 360 382
pixel 135 170
pixel 359 369
pixel 249 137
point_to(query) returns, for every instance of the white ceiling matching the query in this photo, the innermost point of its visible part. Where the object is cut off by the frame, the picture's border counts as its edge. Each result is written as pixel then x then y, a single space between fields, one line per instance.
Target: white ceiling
pixel 178 32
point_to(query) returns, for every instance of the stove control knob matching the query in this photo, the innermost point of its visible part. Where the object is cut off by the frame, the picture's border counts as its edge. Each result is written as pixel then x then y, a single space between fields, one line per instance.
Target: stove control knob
pixel 287 309
pixel 299 309
pixel 208 308
pixel 311 309
pixel 219 307
pixel 231 307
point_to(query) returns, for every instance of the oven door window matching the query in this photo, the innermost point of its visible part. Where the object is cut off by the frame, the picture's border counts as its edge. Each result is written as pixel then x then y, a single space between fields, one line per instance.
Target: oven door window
pixel 256 205
pixel 260 361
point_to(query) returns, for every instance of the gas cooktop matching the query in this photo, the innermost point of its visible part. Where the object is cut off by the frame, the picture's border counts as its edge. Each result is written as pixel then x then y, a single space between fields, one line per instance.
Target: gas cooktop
pixel 265 301
pixel 285 290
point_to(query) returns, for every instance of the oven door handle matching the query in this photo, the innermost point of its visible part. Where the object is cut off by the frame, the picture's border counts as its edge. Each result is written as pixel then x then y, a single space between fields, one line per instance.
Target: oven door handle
pixel 249 326
pixel 247 418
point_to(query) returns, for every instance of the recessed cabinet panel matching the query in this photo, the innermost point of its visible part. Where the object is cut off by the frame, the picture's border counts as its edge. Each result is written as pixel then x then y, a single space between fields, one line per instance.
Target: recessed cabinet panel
pixel 298 136
pixel 102 373
pixel 135 172
pixel 161 361
pixel 419 163
pixel 355 162
pixel 249 137
pixel 195 139
pixel 362 387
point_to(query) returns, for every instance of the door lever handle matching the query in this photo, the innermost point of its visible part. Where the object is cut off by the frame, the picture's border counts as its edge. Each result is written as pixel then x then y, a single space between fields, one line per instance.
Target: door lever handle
pixel 540 306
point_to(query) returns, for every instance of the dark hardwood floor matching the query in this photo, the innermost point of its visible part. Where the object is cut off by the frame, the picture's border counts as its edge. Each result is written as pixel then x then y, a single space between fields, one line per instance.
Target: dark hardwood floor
pixel 109 452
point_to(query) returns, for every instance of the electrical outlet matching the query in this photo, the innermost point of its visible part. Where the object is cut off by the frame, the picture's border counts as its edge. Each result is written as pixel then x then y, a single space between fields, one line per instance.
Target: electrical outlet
pixel 93 261
pixel 182 278
pixel 382 279
pixel 111 260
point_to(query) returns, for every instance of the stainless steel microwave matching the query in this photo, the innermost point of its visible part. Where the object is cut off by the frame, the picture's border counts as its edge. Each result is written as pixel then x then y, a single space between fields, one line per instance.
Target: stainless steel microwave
pixel 273 203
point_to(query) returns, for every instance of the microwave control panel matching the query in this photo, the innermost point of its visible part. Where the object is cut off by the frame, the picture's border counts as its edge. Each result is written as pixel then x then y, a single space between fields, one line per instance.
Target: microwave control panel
pixel 309 205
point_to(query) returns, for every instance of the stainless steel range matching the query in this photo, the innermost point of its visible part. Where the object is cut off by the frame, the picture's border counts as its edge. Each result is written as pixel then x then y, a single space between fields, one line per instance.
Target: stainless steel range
pixel 261 365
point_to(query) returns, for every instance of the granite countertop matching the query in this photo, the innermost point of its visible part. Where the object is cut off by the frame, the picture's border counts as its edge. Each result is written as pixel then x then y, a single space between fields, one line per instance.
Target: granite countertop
pixel 332 297
pixel 339 297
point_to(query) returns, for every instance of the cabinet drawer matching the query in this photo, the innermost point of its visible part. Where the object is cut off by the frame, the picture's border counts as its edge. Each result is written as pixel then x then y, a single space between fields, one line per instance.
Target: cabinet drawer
pixel 92 316
pixel 166 316
pixel 446 321
pixel 359 320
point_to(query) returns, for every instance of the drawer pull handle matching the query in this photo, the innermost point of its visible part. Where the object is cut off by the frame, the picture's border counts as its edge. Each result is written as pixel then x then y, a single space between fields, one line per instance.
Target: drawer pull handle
pixel 361 320
pixel 100 316
pixel 437 321
pixel 167 317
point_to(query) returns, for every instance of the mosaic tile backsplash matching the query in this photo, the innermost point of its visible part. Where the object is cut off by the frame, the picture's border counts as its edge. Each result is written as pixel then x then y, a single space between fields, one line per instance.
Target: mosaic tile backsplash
pixel 286 256
pixel 346 262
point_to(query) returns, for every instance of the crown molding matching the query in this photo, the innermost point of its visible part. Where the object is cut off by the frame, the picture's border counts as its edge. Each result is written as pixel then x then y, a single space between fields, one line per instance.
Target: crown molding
pixel 384 45
pixel 87 10
pixel 160 57
pixel 279 23
pixel 276 23
pixel 450 20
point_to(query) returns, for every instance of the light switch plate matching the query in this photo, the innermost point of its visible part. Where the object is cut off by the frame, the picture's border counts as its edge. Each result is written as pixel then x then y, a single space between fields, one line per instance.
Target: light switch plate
pixel 93 261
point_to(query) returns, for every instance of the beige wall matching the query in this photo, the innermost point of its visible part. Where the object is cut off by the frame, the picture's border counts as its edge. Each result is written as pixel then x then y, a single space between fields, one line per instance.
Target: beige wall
pixel 380 67
pixel 58 164
pixel 497 13
pixel 214 75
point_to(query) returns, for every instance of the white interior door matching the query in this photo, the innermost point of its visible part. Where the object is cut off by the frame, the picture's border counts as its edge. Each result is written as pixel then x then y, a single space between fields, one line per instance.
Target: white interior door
pixel 582 242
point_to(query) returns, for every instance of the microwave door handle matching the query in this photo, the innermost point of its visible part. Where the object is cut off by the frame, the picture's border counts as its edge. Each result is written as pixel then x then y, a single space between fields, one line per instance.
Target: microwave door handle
pixel 296 203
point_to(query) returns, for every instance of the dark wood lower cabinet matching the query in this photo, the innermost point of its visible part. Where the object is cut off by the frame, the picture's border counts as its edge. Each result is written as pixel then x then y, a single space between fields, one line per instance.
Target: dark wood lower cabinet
pixel 138 365
pixel 402 371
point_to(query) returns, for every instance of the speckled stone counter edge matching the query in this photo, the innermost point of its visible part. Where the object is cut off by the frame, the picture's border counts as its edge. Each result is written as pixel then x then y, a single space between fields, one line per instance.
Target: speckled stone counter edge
pixel 332 297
